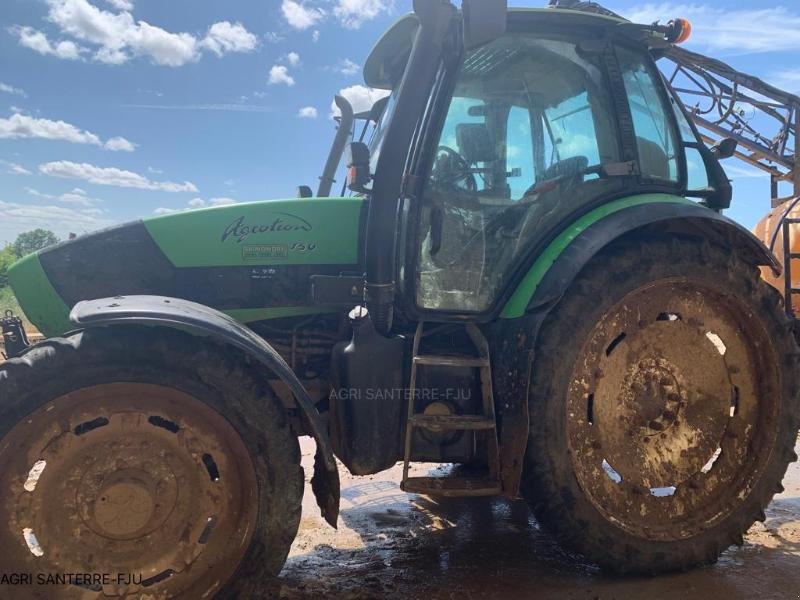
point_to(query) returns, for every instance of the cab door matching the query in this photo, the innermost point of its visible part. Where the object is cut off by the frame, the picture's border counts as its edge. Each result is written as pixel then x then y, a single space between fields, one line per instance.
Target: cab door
pixel 521 145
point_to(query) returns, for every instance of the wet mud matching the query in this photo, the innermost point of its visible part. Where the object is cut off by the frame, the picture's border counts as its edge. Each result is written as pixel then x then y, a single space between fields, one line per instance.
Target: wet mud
pixel 395 545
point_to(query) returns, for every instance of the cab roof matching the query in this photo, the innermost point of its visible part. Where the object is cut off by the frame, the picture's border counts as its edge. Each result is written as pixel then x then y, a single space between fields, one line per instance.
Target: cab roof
pixel 388 57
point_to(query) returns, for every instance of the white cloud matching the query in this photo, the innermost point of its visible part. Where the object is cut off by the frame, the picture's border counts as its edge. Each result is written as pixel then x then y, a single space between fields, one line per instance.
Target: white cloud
pixel 360 97
pixel 18 169
pixel 111 56
pixel 299 16
pixel 19 126
pixel 735 31
pixel 225 37
pixel 10 89
pixel 196 203
pixel 118 37
pixel 354 13
pixel 222 201
pixel 78 196
pixel 14 168
pixel 307 112
pixel 163 48
pixel 347 67
pixel 293 58
pixel 37 41
pixel 110 176
pixel 74 196
pixel 121 4
pixel 279 74
pixel 24 126
pixel 117 144
pixel 62 220
pixel 273 37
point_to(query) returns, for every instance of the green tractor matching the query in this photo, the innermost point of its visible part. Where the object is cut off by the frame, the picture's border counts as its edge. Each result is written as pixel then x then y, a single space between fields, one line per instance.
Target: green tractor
pixel 524 282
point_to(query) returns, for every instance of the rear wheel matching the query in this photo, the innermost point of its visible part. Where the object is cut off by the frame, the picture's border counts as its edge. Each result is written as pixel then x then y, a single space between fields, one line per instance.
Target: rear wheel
pixel 664 406
pixel 157 465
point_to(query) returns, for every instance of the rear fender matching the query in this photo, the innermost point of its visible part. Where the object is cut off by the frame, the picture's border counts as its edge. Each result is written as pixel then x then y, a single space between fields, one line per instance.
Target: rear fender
pixel 203 321
pixel 555 268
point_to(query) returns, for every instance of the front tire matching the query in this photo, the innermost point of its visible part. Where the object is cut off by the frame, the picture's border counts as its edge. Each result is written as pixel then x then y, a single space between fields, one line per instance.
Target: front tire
pixel 664 406
pixel 147 453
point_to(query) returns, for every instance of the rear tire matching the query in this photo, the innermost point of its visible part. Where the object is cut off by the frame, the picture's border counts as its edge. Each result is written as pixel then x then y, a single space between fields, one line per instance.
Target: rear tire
pixel 148 452
pixel 652 446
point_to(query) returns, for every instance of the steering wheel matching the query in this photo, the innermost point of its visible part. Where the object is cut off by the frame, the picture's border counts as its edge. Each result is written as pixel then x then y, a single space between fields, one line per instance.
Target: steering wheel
pixel 453 168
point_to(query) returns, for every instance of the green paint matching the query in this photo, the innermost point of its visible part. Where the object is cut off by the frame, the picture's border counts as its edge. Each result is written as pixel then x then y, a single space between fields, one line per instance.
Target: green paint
pixel 516 305
pixel 298 231
pixel 37 297
pixel 249 315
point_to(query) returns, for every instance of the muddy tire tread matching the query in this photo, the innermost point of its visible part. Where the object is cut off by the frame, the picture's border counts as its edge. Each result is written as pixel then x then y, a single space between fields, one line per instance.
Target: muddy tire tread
pixel 171 357
pixel 548 483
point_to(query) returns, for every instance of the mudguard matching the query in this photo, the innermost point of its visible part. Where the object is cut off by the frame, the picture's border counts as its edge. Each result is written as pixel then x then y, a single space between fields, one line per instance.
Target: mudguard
pixel 566 255
pixel 203 321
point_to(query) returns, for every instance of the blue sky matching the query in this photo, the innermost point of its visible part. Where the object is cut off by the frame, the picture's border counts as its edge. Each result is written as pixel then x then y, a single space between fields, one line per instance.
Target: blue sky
pixel 111 110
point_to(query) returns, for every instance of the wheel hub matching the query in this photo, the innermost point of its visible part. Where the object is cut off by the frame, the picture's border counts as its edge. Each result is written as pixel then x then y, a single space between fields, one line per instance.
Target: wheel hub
pixel 652 384
pixel 125 504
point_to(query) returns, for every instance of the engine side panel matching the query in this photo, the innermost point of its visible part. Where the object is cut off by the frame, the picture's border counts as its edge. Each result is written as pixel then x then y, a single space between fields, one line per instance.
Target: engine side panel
pixel 252 261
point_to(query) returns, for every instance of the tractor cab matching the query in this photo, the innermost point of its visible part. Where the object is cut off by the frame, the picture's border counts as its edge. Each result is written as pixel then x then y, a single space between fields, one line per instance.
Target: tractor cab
pixel 558 114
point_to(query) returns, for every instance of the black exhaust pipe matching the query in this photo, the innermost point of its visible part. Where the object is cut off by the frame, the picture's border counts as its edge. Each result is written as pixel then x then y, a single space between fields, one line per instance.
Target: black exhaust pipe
pixel 436 17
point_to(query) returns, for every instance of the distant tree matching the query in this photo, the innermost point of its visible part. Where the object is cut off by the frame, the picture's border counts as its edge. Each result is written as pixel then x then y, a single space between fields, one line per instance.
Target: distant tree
pixel 31 241
pixel 7 258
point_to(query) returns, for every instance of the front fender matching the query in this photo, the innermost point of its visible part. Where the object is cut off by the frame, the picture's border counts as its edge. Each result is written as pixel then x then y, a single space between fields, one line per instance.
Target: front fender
pixel 204 321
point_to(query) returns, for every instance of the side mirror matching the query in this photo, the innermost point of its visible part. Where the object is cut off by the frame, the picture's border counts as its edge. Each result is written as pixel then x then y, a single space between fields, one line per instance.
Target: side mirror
pixel 303 191
pixel 724 148
pixel 484 21
pixel 357 161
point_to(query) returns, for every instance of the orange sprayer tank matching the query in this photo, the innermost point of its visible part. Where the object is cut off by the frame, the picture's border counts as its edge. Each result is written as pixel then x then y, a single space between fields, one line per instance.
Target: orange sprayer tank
pixel 764 230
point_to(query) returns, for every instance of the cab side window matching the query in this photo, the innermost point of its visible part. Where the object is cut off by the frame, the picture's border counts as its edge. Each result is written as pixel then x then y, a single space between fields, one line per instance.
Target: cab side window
pixel 655 138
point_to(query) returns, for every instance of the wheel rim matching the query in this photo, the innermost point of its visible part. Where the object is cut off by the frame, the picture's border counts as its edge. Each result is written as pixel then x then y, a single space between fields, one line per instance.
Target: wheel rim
pixel 128 478
pixel 672 409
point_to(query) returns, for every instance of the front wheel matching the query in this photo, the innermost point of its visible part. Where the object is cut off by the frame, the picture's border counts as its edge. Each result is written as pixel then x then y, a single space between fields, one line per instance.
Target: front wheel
pixel 153 464
pixel 664 406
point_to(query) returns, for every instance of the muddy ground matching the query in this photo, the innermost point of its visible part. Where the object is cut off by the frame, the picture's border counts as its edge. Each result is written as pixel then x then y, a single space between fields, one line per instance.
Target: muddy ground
pixel 395 545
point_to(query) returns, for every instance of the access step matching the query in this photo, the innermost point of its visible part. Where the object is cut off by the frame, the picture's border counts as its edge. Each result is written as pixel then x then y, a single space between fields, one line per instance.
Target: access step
pixel 450 361
pixel 451 486
pixel 452 422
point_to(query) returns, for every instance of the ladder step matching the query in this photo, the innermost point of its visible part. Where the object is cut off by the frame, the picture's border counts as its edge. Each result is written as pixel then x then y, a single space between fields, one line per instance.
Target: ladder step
pixel 452 422
pixel 452 486
pixel 451 361
pixel 794 255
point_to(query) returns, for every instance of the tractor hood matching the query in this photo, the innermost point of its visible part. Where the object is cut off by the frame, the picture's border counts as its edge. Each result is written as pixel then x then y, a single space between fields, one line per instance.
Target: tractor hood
pixel 253 261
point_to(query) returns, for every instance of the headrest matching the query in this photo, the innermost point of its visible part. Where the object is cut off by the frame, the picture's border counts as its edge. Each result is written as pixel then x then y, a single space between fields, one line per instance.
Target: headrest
pixel 475 143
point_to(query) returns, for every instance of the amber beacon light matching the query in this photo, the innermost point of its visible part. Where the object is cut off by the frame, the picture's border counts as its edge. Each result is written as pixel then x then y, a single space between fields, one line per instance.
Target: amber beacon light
pixel 678 31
